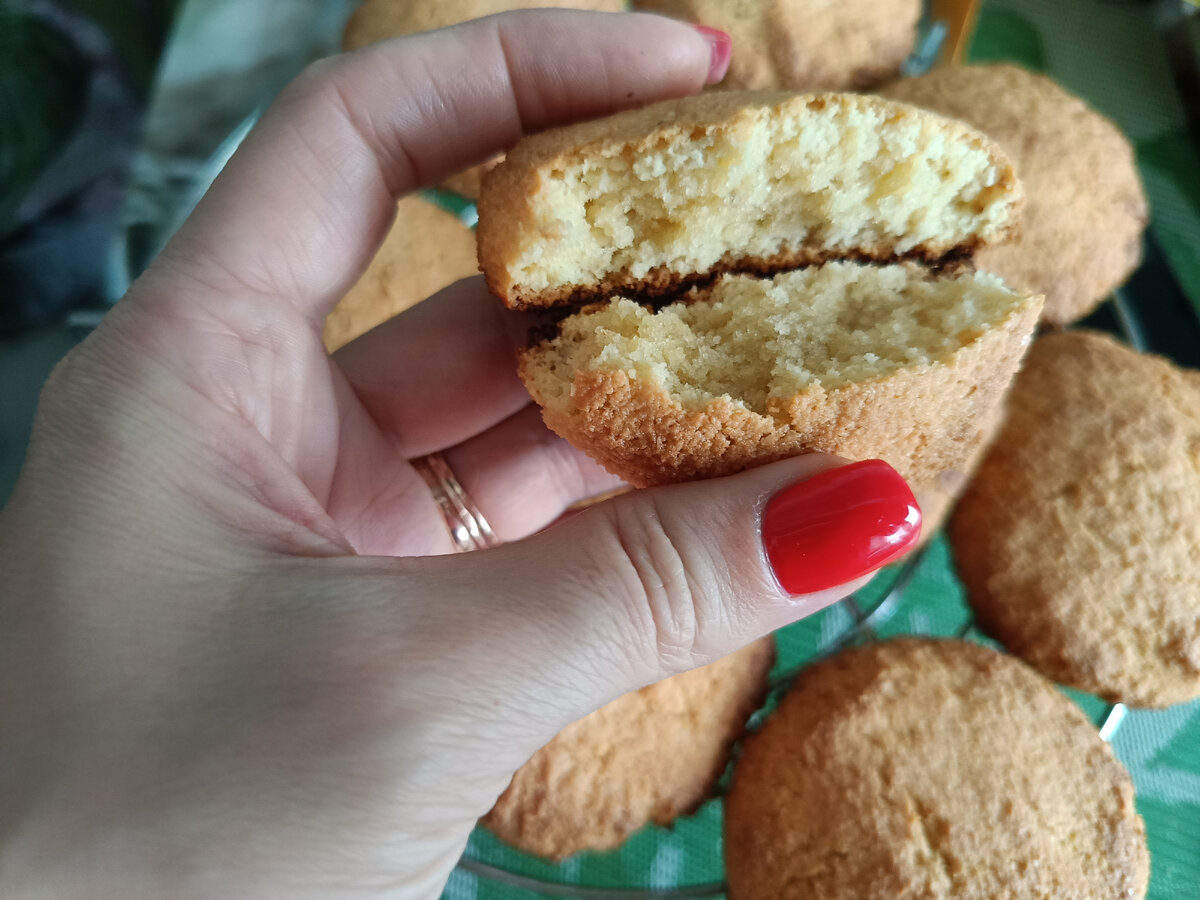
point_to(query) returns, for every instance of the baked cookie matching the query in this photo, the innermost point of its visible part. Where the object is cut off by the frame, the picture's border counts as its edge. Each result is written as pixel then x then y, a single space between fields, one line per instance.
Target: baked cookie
pixel 426 250
pixel 923 768
pixel 1078 538
pixel 656 198
pixel 806 45
pixel 378 20
pixel 863 361
pixel 1086 210
pixel 649 756
pixel 898 362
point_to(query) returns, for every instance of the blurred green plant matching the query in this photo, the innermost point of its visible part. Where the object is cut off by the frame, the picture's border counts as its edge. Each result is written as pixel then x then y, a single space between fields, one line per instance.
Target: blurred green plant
pixel 43 87
pixel 137 29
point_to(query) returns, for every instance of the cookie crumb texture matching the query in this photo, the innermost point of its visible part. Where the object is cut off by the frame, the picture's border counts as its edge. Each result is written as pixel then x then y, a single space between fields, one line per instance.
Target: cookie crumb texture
pixel 655 198
pixel 866 361
pixel 1081 230
pixel 1079 539
pixel 649 756
pixel 931 769
pixel 806 45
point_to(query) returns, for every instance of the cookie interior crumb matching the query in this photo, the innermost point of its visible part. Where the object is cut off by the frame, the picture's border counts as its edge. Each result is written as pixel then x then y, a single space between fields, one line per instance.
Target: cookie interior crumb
pixel 840 175
pixel 762 340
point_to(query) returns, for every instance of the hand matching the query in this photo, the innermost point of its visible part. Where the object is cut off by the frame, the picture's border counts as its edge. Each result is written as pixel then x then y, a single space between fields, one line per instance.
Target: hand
pixel 235 658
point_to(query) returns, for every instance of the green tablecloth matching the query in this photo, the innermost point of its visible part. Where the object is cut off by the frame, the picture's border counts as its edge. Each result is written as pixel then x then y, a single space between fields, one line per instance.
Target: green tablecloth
pixel 1110 53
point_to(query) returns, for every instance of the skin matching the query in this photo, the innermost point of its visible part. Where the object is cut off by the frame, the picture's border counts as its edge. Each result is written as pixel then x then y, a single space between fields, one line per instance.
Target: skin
pixel 237 657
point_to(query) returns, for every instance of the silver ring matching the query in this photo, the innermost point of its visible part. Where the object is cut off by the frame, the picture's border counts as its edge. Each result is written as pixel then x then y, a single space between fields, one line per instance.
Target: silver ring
pixel 469 530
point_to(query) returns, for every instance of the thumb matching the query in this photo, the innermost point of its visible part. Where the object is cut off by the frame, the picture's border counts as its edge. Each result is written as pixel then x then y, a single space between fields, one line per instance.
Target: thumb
pixel 662 580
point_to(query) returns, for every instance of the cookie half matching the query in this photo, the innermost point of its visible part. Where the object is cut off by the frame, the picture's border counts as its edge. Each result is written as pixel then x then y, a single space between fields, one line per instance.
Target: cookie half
pixel 1081 233
pixel 806 45
pixel 425 250
pixel 654 199
pixel 1078 538
pixel 922 768
pixel 864 361
pixel 649 756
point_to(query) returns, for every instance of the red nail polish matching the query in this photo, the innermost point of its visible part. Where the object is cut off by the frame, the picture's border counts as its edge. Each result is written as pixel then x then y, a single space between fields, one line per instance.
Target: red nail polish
pixel 839 525
pixel 720 46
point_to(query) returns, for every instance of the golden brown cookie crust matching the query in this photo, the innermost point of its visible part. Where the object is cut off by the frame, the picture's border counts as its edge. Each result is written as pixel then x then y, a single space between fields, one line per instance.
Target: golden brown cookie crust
pixel 925 420
pixel 806 45
pixel 649 756
pixel 939 769
pixel 378 20
pixel 512 213
pixel 1078 538
pixel 425 250
pixel 1085 208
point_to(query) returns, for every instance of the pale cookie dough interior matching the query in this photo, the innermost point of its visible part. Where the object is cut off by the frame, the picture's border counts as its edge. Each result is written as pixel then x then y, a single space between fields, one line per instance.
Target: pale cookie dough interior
pixel 762 341
pixel 844 177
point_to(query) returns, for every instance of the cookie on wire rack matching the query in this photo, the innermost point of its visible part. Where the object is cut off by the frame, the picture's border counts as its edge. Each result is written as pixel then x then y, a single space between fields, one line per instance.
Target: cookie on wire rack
pixel 425 250
pixel 1079 538
pixel 806 45
pixel 1081 232
pixel 649 756
pixel 927 768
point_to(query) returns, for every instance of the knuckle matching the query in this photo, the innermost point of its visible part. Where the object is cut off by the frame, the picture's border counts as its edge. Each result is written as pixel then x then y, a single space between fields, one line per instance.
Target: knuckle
pixel 662 577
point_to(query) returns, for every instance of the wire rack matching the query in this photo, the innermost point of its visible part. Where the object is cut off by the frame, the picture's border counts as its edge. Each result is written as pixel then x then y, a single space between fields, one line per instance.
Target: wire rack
pixel 866 612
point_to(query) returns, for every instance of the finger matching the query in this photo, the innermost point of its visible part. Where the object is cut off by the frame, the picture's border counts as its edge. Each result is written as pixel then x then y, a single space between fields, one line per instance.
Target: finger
pixel 649 584
pixel 300 208
pixel 522 476
pixel 441 372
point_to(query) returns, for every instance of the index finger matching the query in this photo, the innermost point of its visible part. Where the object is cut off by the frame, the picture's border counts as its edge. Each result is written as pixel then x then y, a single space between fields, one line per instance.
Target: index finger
pixel 302 206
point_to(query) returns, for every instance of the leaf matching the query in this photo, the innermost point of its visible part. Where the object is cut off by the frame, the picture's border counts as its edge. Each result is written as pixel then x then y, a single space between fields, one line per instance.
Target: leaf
pixel 43 86
pixel 1002 35
pixel 137 29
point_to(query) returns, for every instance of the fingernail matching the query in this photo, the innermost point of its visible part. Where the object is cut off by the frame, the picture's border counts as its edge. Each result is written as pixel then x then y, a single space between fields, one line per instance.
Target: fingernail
pixel 839 525
pixel 721 49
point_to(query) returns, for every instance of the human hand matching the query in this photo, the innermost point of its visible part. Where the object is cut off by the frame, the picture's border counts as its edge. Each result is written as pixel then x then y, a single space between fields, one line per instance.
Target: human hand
pixel 232 660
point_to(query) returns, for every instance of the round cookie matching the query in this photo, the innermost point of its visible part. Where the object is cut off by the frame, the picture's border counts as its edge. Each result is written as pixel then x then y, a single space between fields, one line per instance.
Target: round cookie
pixel 1085 208
pixel 924 768
pixel 649 756
pixel 426 250
pixel 1077 539
pixel 806 45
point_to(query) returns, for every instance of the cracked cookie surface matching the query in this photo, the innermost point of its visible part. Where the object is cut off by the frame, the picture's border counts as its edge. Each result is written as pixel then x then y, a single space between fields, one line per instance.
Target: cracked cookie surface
pixel 933 769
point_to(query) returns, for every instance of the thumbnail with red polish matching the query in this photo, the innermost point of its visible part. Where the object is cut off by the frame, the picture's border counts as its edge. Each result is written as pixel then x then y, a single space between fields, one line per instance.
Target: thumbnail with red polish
pixel 839 525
